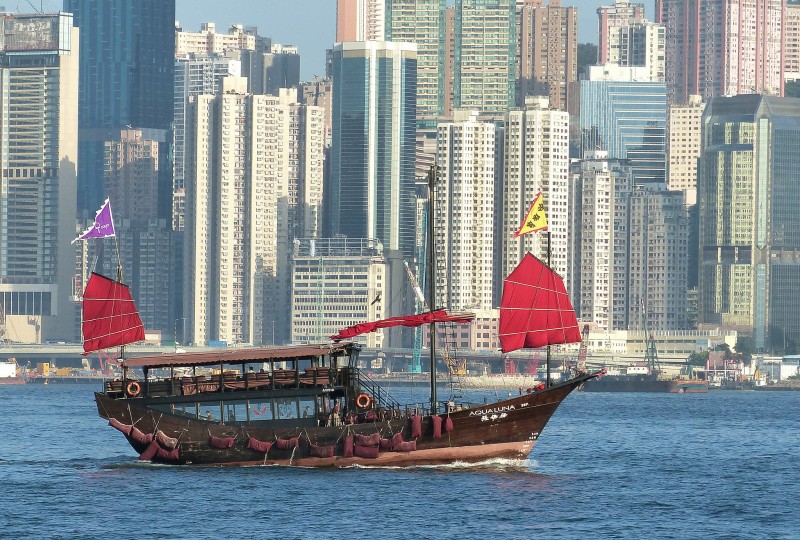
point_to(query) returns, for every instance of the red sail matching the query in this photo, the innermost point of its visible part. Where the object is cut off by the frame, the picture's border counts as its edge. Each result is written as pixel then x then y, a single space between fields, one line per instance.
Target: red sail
pixel 407 320
pixel 110 318
pixel 535 309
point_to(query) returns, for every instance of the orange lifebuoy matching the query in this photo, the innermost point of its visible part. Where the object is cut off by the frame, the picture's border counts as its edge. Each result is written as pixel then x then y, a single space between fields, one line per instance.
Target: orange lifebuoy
pixel 363 401
pixel 133 388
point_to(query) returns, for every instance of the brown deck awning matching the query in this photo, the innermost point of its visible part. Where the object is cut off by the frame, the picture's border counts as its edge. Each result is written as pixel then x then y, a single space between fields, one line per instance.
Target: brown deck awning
pixel 237 356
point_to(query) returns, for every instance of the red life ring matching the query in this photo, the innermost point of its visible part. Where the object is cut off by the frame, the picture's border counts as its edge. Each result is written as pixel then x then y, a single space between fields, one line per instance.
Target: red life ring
pixel 133 388
pixel 363 401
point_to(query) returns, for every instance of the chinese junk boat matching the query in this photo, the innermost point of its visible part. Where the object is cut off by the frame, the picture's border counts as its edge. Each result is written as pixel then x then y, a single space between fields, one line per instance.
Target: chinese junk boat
pixel 311 406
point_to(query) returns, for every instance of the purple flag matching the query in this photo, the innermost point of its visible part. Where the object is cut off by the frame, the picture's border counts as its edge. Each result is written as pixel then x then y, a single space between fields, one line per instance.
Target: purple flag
pixel 103 224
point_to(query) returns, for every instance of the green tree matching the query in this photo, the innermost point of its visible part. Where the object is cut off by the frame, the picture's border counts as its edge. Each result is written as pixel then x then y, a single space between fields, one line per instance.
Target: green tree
pixel 587 56
pixel 745 348
pixel 698 358
pixel 790 88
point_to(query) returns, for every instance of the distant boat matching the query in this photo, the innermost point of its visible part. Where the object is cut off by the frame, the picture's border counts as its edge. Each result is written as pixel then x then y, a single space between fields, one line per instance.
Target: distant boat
pixel 311 405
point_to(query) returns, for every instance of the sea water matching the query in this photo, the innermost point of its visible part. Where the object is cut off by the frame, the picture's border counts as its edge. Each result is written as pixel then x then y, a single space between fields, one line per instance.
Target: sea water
pixel 717 465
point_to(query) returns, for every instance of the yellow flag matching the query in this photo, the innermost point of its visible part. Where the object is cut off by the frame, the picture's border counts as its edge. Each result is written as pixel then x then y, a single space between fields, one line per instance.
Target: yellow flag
pixel 536 220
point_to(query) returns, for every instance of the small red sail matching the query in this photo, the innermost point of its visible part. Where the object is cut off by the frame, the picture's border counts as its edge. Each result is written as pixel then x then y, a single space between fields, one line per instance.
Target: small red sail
pixel 437 316
pixel 535 310
pixel 110 318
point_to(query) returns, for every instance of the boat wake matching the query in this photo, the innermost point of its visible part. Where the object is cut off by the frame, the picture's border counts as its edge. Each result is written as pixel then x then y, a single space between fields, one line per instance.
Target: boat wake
pixel 494 464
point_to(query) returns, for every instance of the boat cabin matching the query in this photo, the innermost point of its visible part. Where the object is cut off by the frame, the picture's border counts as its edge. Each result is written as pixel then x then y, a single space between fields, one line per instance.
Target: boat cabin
pixel 302 385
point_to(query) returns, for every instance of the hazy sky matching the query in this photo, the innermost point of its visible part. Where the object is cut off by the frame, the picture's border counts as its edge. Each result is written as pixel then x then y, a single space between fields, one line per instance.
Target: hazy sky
pixel 308 24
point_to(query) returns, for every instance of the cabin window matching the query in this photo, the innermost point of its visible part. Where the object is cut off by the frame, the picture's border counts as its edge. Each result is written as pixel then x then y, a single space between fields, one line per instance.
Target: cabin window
pixel 287 408
pixel 210 411
pixel 186 410
pixel 261 410
pixel 235 411
pixel 307 408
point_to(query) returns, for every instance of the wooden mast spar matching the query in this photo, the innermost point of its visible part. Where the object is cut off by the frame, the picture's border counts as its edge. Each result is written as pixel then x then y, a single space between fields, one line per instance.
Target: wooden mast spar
pixel 432 173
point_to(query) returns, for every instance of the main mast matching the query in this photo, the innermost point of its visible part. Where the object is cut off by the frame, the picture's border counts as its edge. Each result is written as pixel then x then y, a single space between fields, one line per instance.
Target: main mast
pixel 432 283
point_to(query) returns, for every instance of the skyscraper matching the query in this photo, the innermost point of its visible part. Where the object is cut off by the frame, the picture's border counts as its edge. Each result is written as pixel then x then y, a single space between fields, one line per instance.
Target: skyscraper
pixel 126 79
pixel 485 52
pixel 422 22
pixel 372 155
pixel 536 159
pixel 749 233
pixel 39 152
pixel 791 43
pixel 624 112
pixel 253 184
pixel 464 205
pixel 628 39
pixel 722 47
pixel 195 74
pixel 547 51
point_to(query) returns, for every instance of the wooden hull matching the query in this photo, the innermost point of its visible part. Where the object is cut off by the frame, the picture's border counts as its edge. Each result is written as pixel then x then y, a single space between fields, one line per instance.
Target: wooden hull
pixel 504 429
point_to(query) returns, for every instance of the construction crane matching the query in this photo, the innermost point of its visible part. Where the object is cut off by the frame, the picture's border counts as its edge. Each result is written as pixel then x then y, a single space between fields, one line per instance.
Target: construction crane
pixel 584 348
pixel 650 352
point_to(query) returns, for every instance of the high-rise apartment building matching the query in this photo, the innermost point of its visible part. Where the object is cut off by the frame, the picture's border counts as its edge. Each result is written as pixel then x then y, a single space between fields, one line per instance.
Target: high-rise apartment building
pixel 195 75
pixel 658 259
pixel 749 233
pixel 485 53
pixel 791 43
pixel 546 51
pixel 360 20
pixel 610 19
pixel 536 149
pixel 126 80
pixel 422 22
pixel 624 112
pixel 254 183
pixel 464 204
pixel 319 93
pixel 131 176
pixel 208 42
pixel 39 155
pixel 604 190
pixel 683 147
pixel 722 47
pixel 372 154
pixel 336 283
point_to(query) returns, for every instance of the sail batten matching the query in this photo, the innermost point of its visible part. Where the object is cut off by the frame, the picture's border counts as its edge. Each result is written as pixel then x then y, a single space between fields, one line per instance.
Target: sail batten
pixel 535 310
pixel 110 318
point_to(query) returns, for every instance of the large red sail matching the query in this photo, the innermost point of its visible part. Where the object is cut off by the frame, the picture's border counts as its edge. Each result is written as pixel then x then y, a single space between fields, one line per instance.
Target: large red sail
pixel 110 318
pixel 535 309
pixel 407 320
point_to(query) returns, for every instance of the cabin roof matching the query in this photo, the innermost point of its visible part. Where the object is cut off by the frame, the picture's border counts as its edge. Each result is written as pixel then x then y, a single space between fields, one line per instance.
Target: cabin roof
pixel 234 356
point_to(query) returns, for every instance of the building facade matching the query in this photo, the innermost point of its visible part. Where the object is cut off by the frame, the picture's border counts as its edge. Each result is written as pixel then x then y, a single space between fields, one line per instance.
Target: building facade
pixel 484 55
pixel 605 188
pixel 209 42
pixel 422 22
pixel 683 147
pixel 536 159
pixel 464 218
pixel 546 51
pixel 722 47
pixel 38 156
pixel 372 152
pixel 360 20
pixel 791 43
pixel 624 112
pixel 126 79
pixel 748 199
pixel 336 283
pixel 610 19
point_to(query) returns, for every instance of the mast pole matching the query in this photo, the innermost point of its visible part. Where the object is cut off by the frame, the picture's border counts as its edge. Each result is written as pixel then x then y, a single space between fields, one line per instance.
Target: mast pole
pixel 548 345
pixel 432 284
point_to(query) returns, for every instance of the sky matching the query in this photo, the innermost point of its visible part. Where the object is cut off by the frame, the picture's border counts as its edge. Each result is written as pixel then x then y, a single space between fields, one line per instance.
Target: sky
pixel 308 24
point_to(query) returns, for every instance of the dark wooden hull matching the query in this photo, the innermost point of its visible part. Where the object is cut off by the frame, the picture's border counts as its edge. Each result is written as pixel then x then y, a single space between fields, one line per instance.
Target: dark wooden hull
pixel 504 429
